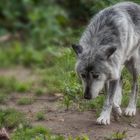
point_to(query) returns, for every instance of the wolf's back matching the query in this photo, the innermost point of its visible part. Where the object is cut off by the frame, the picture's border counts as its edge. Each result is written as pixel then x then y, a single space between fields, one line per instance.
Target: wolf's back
pixel 110 24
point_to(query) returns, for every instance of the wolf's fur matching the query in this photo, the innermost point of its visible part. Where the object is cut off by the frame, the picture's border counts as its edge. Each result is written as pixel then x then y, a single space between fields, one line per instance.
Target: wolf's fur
pixel 110 41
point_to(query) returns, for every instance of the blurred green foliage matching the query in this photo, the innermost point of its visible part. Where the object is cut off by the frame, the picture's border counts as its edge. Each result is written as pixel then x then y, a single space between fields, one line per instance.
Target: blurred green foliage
pixel 48 22
pixel 10 84
pixel 42 21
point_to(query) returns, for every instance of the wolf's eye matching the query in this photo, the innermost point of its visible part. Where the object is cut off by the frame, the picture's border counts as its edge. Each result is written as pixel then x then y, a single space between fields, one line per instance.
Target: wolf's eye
pixel 83 75
pixel 95 76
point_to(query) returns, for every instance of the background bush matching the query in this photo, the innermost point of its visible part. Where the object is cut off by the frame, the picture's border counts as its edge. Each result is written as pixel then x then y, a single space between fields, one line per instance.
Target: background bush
pixel 48 22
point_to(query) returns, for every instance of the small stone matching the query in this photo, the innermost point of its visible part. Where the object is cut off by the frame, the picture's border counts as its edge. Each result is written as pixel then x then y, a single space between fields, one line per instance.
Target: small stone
pixel 58 94
pixel 61 120
pixel 133 125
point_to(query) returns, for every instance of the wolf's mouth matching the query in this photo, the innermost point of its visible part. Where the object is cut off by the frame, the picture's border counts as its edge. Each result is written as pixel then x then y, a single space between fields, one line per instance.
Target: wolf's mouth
pixel 88 97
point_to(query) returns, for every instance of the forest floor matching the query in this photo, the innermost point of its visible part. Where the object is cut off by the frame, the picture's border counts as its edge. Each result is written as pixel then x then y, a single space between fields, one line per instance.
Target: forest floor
pixel 66 122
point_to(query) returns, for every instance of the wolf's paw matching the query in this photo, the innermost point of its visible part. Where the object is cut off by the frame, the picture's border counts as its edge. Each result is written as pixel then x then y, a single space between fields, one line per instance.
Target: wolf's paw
pixel 104 118
pixel 130 111
pixel 117 109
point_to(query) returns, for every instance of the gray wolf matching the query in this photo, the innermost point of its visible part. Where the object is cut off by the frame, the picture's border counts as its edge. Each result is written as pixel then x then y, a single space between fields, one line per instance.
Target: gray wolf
pixel 110 42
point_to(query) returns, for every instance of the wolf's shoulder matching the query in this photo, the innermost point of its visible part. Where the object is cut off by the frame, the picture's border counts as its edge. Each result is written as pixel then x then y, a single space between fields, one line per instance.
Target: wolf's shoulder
pixel 131 10
pixel 118 11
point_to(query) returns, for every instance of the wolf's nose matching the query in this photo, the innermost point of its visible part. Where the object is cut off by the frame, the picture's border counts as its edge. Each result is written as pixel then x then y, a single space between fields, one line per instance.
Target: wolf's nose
pixel 87 96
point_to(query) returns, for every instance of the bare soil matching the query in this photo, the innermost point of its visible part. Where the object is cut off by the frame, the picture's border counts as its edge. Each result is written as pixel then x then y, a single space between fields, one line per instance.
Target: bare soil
pixel 71 122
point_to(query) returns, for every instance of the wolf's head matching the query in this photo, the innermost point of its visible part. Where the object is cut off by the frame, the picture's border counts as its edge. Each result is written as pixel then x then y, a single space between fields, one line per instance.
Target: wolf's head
pixel 94 67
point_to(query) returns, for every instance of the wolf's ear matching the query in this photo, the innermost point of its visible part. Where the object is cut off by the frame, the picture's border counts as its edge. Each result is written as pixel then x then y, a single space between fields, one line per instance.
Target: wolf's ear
pixel 77 48
pixel 109 51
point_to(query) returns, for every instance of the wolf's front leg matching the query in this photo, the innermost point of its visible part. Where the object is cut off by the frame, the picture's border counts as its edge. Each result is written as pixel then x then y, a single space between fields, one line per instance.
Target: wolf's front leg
pixel 133 67
pixel 131 109
pixel 117 99
pixel 107 108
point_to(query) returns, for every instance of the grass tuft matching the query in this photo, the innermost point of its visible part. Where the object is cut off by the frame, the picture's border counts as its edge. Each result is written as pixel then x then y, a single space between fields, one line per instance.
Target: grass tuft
pixel 3 98
pixel 25 101
pixel 117 136
pixel 10 85
pixel 40 116
pixel 40 91
pixel 11 118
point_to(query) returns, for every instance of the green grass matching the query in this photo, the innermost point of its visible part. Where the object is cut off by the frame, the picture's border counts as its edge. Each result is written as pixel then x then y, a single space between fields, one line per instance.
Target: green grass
pixel 40 116
pixel 22 87
pixel 40 91
pixel 36 133
pixel 11 118
pixel 54 76
pixel 17 54
pixel 117 136
pixel 40 133
pixel 10 85
pixel 25 101
pixel 7 84
pixel 3 98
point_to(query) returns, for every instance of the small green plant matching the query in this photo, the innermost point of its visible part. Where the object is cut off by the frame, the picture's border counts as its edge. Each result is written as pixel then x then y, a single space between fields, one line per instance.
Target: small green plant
pixel 22 87
pixel 11 118
pixel 117 136
pixel 40 91
pixel 40 116
pixel 72 90
pixel 7 84
pixel 25 101
pixel 3 98
pixel 83 137
pixel 67 102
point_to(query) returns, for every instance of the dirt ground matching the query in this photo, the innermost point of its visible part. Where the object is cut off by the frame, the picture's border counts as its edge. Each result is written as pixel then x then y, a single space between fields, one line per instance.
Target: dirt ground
pixel 70 122
pixel 75 123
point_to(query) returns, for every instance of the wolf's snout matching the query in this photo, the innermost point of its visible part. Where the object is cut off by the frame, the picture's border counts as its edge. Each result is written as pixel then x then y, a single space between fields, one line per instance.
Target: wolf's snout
pixel 87 96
